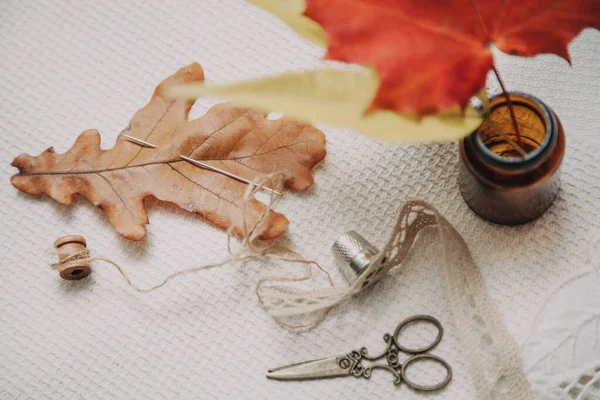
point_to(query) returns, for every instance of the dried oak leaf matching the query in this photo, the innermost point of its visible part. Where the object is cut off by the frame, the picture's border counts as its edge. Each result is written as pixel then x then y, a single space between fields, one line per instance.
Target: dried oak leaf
pixel 235 139
pixel 435 54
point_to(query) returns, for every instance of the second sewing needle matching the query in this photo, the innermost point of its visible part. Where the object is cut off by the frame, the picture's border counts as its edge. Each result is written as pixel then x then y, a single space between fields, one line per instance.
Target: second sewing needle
pixel 229 174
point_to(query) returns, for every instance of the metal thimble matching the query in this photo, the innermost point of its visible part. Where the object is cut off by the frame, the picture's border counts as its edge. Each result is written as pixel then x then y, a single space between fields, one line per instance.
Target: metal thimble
pixel 355 252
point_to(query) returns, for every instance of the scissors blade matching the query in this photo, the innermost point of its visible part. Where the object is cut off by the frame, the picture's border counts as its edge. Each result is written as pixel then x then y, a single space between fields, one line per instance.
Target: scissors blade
pixel 314 369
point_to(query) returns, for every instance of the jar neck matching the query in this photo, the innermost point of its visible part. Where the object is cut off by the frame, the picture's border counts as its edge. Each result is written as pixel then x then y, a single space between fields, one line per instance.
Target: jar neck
pixel 541 141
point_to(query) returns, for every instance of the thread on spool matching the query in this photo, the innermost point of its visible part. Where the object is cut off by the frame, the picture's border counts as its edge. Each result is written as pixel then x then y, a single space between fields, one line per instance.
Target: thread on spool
pixel 73 258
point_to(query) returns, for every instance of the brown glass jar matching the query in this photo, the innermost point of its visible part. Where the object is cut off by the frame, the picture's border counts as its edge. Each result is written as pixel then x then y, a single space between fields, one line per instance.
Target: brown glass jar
pixel 498 183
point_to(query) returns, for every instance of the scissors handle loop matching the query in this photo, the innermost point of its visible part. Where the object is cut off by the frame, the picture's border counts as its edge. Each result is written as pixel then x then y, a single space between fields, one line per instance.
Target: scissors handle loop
pixel 426 388
pixel 412 320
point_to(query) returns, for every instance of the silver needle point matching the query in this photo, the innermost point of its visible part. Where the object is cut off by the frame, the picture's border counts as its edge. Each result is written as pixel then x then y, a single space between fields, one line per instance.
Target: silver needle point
pixel 229 174
pixel 139 141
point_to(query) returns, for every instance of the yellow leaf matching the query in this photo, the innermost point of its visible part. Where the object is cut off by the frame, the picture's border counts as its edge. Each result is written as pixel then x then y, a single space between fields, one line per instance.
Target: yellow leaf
pixel 338 98
pixel 292 13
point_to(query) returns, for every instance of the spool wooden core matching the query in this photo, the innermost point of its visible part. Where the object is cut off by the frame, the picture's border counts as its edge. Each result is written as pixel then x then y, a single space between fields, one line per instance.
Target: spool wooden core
pixel 67 246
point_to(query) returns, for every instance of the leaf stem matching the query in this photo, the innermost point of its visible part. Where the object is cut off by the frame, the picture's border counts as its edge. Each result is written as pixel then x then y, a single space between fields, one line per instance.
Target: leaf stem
pixel 486 115
pixel 510 105
pixel 499 130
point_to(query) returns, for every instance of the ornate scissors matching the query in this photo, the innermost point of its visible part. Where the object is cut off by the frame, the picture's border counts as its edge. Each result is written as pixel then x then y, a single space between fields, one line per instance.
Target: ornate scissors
pixel 351 364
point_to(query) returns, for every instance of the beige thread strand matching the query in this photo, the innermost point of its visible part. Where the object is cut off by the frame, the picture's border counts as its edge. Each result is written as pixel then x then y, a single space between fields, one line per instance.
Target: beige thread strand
pixel 249 243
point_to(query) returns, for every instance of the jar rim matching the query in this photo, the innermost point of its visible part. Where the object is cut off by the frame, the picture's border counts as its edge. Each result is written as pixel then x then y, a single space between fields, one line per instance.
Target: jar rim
pixel 532 158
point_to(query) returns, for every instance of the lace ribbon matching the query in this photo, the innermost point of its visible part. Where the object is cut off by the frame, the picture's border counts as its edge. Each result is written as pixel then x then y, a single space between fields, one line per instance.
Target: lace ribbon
pixel 493 353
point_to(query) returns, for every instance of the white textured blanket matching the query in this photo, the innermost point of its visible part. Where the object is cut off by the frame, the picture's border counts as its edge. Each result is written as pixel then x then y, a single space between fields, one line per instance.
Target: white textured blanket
pixel 72 65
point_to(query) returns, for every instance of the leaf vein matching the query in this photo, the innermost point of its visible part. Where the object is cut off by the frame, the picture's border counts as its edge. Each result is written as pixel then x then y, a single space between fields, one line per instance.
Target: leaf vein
pixel 118 195
pixel 202 187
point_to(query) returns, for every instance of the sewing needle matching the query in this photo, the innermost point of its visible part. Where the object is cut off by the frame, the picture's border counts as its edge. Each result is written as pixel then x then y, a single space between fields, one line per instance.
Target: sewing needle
pixel 139 141
pixel 229 174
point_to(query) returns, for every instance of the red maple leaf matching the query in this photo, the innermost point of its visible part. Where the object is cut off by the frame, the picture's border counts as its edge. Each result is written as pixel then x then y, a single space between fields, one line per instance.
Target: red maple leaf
pixel 435 54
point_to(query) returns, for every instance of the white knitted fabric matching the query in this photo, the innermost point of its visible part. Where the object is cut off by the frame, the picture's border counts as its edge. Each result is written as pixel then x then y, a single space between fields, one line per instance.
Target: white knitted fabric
pixel 72 65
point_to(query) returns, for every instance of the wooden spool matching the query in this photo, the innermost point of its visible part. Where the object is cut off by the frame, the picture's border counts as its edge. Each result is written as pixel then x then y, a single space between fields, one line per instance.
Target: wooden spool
pixel 67 246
